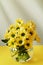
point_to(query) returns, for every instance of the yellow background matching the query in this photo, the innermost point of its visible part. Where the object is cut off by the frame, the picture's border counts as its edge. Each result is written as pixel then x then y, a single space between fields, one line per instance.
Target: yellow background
pixel 6 59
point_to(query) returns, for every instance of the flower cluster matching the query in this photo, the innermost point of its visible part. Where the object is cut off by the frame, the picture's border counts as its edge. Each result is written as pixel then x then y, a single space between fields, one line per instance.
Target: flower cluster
pixel 19 37
pixel 20 34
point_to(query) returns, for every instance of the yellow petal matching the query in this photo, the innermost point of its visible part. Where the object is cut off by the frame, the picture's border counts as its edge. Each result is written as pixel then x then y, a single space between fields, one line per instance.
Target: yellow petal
pixel 37 38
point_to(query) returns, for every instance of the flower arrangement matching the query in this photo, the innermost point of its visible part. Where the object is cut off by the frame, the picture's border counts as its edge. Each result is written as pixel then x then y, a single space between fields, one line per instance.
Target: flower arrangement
pixel 19 37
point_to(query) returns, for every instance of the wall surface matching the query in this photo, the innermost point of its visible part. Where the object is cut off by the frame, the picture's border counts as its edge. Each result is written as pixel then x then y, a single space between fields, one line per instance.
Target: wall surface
pixel 25 9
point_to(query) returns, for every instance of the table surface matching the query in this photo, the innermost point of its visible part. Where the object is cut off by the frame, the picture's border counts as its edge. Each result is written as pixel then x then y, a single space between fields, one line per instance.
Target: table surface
pixel 6 59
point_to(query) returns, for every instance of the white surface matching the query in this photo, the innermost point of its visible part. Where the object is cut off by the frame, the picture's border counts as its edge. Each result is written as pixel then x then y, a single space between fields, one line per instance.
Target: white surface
pixel 25 9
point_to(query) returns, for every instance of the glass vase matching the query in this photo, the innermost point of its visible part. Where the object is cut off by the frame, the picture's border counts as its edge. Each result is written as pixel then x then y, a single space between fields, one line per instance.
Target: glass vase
pixel 21 57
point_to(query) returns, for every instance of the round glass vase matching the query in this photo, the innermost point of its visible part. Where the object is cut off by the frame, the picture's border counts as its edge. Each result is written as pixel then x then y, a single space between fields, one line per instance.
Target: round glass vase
pixel 21 57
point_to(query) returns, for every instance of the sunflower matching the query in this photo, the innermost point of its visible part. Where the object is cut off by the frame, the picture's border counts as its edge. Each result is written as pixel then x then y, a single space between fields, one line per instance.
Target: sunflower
pixel 11 42
pixel 23 33
pixel 9 32
pixel 31 24
pixel 28 44
pixel 32 33
pixel 19 22
pixel 37 38
pixel 26 27
pixel 7 35
pixel 12 26
pixel 19 41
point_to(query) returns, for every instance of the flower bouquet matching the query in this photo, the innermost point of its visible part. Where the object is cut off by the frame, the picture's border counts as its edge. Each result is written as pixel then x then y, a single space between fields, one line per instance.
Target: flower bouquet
pixel 19 38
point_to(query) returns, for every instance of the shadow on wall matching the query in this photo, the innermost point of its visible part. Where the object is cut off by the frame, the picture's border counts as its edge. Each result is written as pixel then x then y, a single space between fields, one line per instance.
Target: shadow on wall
pixel 4 23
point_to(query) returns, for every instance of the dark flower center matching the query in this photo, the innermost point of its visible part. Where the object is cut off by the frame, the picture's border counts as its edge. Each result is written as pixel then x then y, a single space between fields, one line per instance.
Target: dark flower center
pixel 27 44
pixel 20 41
pixel 17 28
pixel 27 38
pixel 12 43
pixel 8 31
pixel 31 33
pixel 26 29
pixel 19 22
pixel 23 34
pixel 13 35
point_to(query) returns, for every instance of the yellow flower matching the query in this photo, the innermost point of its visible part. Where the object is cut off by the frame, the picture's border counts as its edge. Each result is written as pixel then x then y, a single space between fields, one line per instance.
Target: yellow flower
pixel 37 38
pixel 21 34
pixel 19 22
pixel 17 28
pixel 13 31
pixel 31 24
pixel 26 27
pixel 32 33
pixel 11 42
pixel 19 41
pixel 28 44
pixel 10 34
pixel 7 35
pixel 12 26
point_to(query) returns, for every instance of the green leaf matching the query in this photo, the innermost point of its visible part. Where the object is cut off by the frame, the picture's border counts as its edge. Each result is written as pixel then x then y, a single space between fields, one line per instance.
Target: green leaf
pixel 5 40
